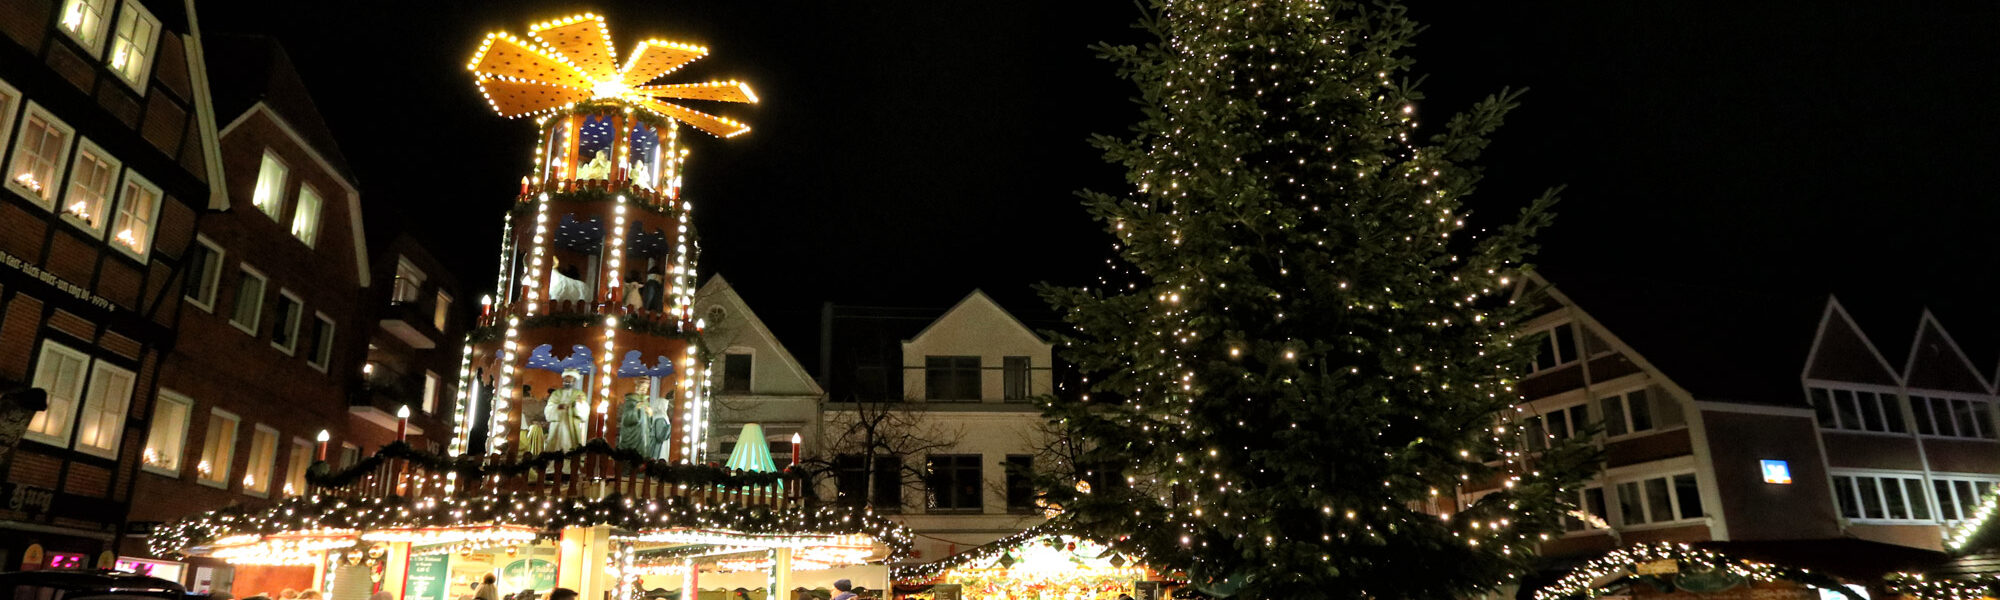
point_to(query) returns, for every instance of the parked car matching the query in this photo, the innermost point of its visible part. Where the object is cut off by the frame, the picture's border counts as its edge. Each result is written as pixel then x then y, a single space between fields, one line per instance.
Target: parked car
pixel 77 584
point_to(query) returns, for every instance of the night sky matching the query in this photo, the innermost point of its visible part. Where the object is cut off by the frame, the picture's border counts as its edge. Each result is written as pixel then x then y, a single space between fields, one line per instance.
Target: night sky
pixel 907 152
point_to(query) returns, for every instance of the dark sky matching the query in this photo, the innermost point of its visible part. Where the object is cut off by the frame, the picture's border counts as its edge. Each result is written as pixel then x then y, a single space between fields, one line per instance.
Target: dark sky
pixel 906 152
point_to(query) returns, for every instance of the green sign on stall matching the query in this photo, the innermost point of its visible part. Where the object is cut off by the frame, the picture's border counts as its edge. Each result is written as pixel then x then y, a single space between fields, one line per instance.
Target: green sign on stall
pixel 428 578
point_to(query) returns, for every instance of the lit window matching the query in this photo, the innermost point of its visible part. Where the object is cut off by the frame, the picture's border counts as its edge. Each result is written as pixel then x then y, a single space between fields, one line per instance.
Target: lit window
pixel 349 455
pixel 305 216
pixel 84 20
pixel 138 207
pixel 951 378
pixel 90 183
pixel 1958 497
pixel 409 282
pixel 60 371
pixel 736 368
pixel 249 301
pixel 263 456
pixel 269 195
pixel 102 423
pixel 430 392
pixel 322 342
pixel 1556 349
pixel 285 332
pixel 218 449
pixel 204 273
pixel 1660 499
pixel 166 440
pixel 132 47
pixel 1625 413
pixel 40 150
pixel 441 314
pixel 296 465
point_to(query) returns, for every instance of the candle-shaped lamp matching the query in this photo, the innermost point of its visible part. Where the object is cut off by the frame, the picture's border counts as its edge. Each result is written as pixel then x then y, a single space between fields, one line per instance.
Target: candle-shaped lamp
pixel 323 438
pixel 795 447
pixel 403 423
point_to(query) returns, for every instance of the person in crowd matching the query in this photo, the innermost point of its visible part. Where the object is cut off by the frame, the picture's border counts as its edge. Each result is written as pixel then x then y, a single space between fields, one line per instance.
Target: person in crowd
pixel 288 594
pixel 562 594
pixel 486 589
pixel 382 595
pixel 846 589
pixel 309 595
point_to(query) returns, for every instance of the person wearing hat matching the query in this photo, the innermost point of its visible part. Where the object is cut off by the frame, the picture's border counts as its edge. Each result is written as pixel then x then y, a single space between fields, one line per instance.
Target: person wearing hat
pixel 846 589
pixel 566 410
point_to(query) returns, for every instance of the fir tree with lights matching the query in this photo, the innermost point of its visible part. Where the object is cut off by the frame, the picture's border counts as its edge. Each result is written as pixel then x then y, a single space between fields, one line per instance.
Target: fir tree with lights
pixel 1300 377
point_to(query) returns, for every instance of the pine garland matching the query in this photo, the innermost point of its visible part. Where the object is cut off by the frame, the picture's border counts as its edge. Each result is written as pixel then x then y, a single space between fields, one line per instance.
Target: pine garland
pixel 476 468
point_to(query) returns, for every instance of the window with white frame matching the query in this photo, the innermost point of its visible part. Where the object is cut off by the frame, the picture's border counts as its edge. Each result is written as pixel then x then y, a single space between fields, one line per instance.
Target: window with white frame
pixel 132 44
pixel 1545 429
pixel 322 342
pixel 1959 497
pixel 166 439
pixel 218 449
pixel 1630 412
pixel 441 314
pixel 430 392
pixel 138 208
pixel 92 178
pixel 102 422
pixel 296 465
pixel 1858 410
pixel 1881 497
pixel 1953 417
pixel 409 285
pixel 305 216
pixel 10 103
pixel 270 193
pixel 84 21
pixel 263 456
pixel 1555 349
pixel 203 273
pixel 1589 501
pixel 1663 499
pixel 249 300
pixel 41 152
pixel 285 330
pixel 60 371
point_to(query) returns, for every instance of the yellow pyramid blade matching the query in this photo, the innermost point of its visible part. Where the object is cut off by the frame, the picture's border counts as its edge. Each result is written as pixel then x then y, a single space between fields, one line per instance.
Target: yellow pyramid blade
pixel 584 40
pixel 720 126
pixel 513 57
pixel 720 91
pixel 515 97
pixel 654 58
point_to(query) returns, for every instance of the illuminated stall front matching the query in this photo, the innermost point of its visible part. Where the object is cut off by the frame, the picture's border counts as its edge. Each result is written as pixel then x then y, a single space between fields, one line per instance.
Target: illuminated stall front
pixel 1031 566
pixel 576 459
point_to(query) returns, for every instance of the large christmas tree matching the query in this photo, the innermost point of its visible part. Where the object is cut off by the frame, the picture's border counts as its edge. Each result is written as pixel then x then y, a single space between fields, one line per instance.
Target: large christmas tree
pixel 1301 373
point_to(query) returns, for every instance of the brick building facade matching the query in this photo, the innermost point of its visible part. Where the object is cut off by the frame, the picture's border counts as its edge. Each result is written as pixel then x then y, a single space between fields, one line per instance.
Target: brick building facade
pixel 108 153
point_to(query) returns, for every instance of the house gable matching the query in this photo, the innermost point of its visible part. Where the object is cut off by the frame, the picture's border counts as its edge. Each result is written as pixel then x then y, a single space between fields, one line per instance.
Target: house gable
pixel 773 369
pixel 1841 352
pixel 1937 363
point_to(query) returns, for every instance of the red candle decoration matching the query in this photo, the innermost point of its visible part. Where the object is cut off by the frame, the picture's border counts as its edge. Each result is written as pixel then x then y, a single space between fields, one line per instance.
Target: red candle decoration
pixel 323 437
pixel 795 448
pixel 403 423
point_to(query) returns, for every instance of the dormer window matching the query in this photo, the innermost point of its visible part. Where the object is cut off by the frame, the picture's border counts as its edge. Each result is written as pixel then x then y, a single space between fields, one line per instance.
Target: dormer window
pixel 409 282
pixel 132 49
pixel 84 21
pixel 270 193
pixel 1556 349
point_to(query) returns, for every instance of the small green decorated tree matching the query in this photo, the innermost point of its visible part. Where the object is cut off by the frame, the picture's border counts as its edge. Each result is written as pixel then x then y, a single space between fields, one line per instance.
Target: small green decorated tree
pixel 1302 368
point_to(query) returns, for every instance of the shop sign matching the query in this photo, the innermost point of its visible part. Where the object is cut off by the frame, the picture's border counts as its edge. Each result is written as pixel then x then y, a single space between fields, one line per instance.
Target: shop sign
pixel 31 499
pixel 1665 566
pixel 529 573
pixel 427 578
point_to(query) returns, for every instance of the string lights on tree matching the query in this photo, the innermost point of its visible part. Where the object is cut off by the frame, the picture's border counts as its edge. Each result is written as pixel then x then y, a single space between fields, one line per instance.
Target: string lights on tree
pixel 1301 366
